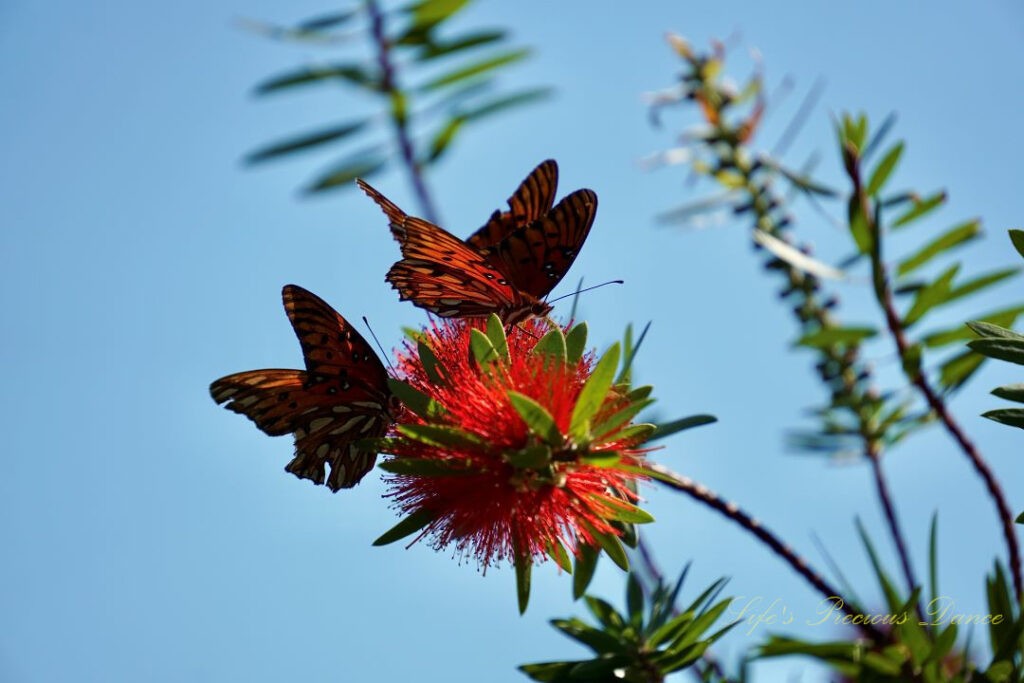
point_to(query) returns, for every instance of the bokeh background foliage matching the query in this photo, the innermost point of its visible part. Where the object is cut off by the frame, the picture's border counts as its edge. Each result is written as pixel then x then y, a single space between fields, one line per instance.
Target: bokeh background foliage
pixel 154 538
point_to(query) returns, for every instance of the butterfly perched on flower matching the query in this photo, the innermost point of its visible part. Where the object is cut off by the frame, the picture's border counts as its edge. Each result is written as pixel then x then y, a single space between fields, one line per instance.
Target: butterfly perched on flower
pixel 340 398
pixel 506 267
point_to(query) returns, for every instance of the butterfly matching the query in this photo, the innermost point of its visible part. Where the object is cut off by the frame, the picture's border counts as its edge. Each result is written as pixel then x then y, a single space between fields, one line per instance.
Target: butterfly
pixel 506 267
pixel 340 398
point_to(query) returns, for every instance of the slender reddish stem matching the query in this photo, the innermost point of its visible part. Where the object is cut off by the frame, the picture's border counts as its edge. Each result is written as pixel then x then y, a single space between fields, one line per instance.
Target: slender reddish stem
pixel 733 512
pixel 399 115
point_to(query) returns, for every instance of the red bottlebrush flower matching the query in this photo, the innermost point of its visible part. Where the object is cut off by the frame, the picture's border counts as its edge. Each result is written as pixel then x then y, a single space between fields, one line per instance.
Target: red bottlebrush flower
pixel 514 447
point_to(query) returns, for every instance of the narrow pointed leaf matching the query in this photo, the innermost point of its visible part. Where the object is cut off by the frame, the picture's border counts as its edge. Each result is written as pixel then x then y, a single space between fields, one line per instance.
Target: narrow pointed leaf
pixel 475 69
pixel 421 467
pixel 557 552
pixel 496 333
pixel 593 394
pixel 415 400
pixel 552 344
pixel 482 348
pixel 985 329
pixel 1007 416
pixel 350 73
pixel 576 343
pixel 432 366
pixel 1003 318
pixel 440 436
pixel 305 142
pixel 884 169
pixel 1011 350
pixel 406 527
pixel 1017 237
pixel 1011 392
pixel 921 208
pixel 524 566
pixel 956 236
pixel 667 429
pixel 981 282
pixel 500 104
pixel 832 336
pixel 343 175
pixel 932 295
pixel 586 563
pixel 537 418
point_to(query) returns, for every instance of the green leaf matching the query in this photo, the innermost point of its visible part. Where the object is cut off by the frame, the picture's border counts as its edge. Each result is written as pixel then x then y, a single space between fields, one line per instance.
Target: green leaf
pixel 342 175
pixel 532 457
pixel 958 369
pixel 557 552
pixel 1011 350
pixel 433 50
pixel 496 333
pixel 832 336
pixel 407 526
pixel 612 546
pixel 440 436
pixel 349 73
pixel 1011 392
pixel 586 563
pixel 594 392
pixel 552 344
pixel 430 363
pixel 549 672
pixel 985 329
pixel 537 418
pixel 1017 237
pixel 956 236
pixel 667 429
pixel 475 69
pixel 444 137
pixel 331 20
pixel 601 458
pixel 432 12
pixel 605 613
pixel 640 393
pixel 415 400
pixel 482 348
pixel 304 142
pixel 635 600
pixel 627 512
pixel 1020 518
pixel 932 295
pixel 637 433
pixel 499 104
pixel 576 343
pixel 422 467
pixel 597 640
pixel 921 208
pixel 981 282
pixel 524 565
pixel 884 169
pixel 1004 318
pixel 1007 416
pixel 607 425
pixel 631 349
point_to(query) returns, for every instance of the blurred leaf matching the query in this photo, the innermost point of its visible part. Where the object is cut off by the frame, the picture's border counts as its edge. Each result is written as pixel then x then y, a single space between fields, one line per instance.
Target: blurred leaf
pixel 499 104
pixel 304 142
pixel 884 169
pixel 795 257
pixel 597 640
pixel 552 344
pixel 583 572
pixel 954 237
pixel 432 12
pixel 432 366
pixel 879 135
pixel 625 375
pixel 476 69
pixel 931 295
pixel 332 20
pixel 344 174
pixel 557 552
pixel 921 208
pixel 444 137
pixel 434 50
pixel 406 527
pixel 958 369
pixel 832 336
pixel 1017 237
pixel 530 457
pixel 350 73
pixel 549 672
pixel 618 418
pixel 635 600
pixel 801 182
pixel 612 547
pixel 1011 350
pixel 1003 318
pixel 537 418
pixel 1010 392
pixel 981 282
pixel 667 429
pixel 524 564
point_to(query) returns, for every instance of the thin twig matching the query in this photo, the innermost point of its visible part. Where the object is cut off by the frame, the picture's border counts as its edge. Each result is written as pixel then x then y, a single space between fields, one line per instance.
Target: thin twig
pixel 883 293
pixel 874 455
pixel 399 113
pixel 733 512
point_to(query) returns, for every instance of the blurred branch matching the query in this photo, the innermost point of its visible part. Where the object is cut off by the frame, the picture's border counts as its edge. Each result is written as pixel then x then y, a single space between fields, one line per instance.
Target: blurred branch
pixel 399 114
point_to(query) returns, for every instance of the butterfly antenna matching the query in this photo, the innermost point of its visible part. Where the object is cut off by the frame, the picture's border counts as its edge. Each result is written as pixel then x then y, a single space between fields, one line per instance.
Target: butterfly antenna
pixel 580 291
pixel 380 346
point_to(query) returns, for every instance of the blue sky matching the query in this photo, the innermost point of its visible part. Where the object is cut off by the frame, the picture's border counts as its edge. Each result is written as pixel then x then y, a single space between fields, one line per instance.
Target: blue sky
pixel 150 535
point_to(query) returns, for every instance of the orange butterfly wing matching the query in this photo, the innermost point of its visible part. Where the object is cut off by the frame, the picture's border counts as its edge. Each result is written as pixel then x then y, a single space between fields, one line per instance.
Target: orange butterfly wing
pixel 537 256
pixel 340 398
pixel 440 272
pixel 532 199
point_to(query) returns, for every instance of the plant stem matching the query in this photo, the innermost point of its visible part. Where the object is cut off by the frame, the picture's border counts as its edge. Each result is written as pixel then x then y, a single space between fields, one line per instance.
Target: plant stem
pixel 733 512
pixel 883 294
pixel 881 485
pixel 399 110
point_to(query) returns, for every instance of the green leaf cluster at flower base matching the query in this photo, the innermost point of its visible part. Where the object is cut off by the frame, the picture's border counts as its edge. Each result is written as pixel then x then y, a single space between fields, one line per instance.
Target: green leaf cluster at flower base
pixel 645 643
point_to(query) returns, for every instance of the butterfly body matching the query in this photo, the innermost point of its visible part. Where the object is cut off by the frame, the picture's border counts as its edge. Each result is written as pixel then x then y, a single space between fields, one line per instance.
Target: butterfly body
pixel 340 398
pixel 506 267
